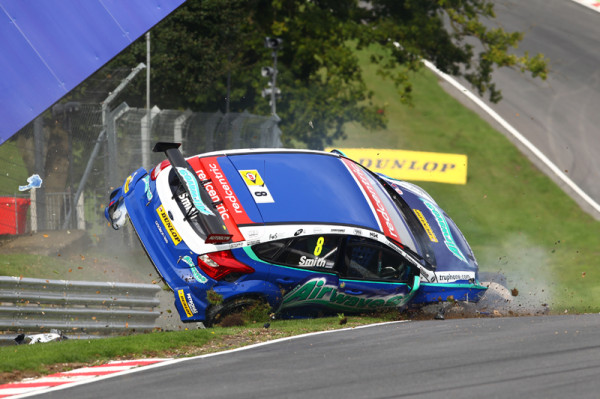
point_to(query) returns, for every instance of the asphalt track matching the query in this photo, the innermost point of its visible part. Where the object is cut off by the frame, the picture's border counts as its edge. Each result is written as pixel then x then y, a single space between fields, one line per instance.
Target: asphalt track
pixel 559 116
pixel 532 357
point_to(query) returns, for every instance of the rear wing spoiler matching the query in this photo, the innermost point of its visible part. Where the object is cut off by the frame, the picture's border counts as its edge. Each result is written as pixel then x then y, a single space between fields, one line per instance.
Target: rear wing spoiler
pixel 203 208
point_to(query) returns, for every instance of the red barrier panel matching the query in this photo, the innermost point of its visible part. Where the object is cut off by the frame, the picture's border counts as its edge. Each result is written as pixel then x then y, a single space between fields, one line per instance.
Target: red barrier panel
pixel 13 215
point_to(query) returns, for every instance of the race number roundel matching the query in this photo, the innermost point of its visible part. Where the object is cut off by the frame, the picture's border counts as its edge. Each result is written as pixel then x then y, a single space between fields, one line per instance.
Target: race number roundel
pixel 257 186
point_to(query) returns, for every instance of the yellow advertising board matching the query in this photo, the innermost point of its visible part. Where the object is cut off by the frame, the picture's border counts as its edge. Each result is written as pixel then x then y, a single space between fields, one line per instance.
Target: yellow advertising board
pixel 412 165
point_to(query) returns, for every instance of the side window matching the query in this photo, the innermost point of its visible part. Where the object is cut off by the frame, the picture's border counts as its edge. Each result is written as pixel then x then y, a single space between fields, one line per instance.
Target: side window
pixel 315 251
pixel 270 250
pixel 371 260
pixel 318 251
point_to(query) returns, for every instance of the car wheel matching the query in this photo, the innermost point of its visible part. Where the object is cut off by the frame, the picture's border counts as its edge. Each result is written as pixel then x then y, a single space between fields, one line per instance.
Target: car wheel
pixel 239 306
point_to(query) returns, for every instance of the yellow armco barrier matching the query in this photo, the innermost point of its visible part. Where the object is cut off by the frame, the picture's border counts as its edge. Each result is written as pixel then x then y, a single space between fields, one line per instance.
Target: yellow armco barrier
pixel 412 165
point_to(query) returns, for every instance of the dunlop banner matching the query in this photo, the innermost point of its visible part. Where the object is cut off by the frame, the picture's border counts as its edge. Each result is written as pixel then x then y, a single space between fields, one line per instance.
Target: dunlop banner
pixel 412 165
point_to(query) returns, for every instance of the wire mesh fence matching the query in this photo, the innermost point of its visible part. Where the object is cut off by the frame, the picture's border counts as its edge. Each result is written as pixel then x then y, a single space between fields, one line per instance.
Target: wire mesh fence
pixel 69 149
pixel 198 132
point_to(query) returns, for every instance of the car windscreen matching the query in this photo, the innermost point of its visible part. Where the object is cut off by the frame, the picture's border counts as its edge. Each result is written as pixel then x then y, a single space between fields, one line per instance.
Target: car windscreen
pixel 423 248
pixel 402 232
pixel 461 243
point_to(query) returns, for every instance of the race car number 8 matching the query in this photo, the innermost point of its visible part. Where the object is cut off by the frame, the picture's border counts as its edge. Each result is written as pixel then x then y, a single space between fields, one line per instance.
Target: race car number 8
pixel 260 193
pixel 319 246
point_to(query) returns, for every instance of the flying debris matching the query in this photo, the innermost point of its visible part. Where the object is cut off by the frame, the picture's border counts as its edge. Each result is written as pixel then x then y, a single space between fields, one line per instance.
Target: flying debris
pixel 35 181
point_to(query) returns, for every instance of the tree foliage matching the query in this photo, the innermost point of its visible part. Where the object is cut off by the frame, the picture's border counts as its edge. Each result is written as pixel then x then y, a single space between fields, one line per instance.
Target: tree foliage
pixel 208 55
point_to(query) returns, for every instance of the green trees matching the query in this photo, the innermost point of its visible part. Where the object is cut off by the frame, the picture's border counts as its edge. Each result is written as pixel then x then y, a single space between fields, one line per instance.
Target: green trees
pixel 209 48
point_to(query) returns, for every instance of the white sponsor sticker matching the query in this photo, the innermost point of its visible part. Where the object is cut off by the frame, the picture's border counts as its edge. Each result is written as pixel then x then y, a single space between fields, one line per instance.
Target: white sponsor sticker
pixel 449 277
pixel 257 186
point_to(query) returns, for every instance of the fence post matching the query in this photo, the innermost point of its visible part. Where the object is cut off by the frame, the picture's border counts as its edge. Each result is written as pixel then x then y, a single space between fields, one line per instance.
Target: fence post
pixel 40 169
pixel 178 128
pixel 80 214
pixel 16 214
pixel 110 130
pixel 33 210
pixel 146 125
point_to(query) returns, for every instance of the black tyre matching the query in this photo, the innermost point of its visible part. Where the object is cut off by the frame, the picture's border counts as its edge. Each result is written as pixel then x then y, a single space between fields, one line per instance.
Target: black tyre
pixel 216 313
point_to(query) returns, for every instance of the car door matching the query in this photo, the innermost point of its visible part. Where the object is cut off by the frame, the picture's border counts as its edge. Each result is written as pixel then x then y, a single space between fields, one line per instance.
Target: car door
pixel 373 277
pixel 303 269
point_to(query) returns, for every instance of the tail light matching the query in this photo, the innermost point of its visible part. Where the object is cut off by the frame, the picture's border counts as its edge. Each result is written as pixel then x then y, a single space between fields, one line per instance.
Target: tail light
pixel 218 265
pixel 158 168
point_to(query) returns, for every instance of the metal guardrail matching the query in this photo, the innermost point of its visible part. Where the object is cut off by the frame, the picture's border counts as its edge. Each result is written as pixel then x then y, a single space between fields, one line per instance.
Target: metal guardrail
pixel 76 307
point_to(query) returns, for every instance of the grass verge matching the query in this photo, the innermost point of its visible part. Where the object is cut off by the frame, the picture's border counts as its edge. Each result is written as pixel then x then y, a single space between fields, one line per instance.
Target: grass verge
pixel 14 172
pixel 517 220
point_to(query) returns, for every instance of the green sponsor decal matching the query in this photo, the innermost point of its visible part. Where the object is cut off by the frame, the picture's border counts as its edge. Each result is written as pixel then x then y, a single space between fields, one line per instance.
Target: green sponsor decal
pixel 197 275
pixel 317 291
pixel 146 180
pixel 448 239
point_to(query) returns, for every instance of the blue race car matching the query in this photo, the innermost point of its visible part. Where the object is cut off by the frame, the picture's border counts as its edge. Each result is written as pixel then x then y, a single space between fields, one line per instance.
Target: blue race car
pixel 307 232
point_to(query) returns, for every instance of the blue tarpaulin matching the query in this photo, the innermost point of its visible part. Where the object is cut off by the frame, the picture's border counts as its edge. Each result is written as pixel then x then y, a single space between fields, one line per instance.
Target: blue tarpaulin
pixel 48 47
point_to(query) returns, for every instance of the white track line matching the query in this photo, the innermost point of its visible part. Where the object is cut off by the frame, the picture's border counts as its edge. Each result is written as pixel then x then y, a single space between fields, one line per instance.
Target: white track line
pixel 515 133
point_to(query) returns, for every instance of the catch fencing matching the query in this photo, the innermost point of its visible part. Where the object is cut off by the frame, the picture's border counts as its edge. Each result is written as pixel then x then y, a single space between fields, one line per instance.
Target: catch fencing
pixel 76 307
pixel 82 151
